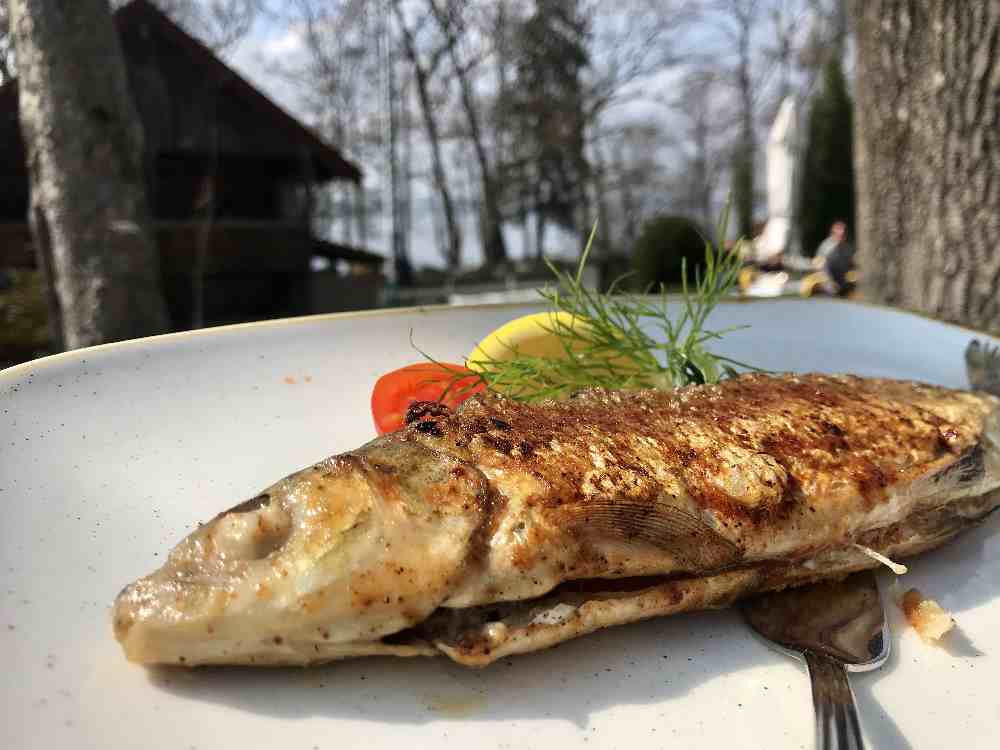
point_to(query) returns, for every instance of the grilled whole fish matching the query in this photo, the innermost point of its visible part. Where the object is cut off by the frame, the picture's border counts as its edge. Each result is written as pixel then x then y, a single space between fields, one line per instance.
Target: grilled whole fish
pixel 503 528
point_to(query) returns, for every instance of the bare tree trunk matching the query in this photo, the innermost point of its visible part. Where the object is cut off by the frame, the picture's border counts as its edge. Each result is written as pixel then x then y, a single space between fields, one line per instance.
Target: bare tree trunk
pixel 346 197
pixel 473 206
pixel 422 73
pixel 499 112
pixel 84 149
pixel 406 163
pixel 927 156
pixel 524 219
pixel 839 28
pixel 598 176
pixel 6 49
pixel 400 251
pixel 701 178
pixel 205 206
pixel 629 212
pixel 539 234
pixel 743 167
pixel 205 211
pixel 494 248
pixel 361 197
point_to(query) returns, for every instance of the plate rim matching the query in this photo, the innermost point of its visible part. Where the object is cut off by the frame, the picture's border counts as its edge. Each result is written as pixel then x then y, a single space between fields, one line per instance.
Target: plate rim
pixel 17 370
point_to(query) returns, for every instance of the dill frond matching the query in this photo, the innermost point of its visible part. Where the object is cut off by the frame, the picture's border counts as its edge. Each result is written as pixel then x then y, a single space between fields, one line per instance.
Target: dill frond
pixel 624 341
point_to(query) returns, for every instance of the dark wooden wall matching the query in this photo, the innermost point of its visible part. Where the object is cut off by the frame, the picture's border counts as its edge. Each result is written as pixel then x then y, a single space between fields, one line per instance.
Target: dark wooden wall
pixel 228 174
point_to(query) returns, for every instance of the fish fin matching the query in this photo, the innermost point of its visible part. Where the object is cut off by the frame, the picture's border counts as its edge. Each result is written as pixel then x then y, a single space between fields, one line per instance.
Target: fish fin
pixel 968 468
pixel 664 526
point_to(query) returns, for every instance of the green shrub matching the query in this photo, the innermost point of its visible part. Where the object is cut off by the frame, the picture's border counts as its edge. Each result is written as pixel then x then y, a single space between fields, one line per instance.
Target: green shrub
pixel 24 332
pixel 827 187
pixel 664 243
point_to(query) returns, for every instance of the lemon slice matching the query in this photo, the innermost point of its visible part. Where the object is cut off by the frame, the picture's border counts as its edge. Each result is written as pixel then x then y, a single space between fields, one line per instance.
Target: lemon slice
pixel 527 335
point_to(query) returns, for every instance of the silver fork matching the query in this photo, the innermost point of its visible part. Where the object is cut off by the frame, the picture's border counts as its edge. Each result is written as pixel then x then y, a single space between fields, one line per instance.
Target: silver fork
pixel 836 628
pixel 982 365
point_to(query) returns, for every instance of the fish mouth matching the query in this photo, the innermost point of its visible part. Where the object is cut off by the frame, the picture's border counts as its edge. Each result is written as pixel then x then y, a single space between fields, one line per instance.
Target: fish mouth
pixel 318 567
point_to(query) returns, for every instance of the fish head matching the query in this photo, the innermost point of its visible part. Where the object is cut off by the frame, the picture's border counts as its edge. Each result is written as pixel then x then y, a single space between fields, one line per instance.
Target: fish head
pixel 341 554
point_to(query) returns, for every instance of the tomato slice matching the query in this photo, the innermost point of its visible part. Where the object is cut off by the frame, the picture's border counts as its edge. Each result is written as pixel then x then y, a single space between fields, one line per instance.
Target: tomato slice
pixel 424 381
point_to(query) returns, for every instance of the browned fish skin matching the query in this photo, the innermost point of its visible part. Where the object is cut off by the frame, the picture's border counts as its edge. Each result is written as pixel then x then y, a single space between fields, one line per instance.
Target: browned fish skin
pixel 676 501
pixel 824 435
pixel 755 454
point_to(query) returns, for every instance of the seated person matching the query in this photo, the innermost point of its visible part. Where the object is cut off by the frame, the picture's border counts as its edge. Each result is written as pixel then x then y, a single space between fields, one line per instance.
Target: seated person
pixel 835 256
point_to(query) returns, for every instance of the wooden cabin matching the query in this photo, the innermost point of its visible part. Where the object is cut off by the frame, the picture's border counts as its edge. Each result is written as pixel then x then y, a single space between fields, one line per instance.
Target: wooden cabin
pixel 231 177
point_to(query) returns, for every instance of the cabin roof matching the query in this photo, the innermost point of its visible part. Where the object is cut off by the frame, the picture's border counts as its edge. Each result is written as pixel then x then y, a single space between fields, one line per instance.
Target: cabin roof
pixel 338 251
pixel 282 131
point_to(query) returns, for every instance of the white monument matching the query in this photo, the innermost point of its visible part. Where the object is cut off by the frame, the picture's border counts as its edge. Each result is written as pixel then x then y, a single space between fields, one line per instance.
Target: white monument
pixel 783 148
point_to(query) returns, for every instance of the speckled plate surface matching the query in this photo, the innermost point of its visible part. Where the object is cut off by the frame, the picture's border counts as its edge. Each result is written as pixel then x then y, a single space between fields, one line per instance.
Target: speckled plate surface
pixel 108 456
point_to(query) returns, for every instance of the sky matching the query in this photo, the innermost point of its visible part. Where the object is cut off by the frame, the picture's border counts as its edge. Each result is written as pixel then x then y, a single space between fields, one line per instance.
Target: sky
pixel 254 56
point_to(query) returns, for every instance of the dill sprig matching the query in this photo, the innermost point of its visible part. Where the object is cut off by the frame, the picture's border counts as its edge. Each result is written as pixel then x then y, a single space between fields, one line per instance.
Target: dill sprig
pixel 610 340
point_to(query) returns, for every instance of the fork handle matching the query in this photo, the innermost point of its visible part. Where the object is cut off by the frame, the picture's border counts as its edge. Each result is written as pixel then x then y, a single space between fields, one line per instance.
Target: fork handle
pixel 837 726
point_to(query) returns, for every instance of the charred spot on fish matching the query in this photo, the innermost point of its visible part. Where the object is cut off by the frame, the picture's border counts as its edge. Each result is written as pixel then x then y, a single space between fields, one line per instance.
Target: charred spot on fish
pixel 500 424
pixel 429 427
pixel 249 506
pixel 477 425
pixel 502 444
pixel 423 409
pixel 949 439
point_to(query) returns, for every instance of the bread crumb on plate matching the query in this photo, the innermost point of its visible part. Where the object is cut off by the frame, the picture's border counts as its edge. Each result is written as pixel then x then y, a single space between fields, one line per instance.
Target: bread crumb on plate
pixel 926 616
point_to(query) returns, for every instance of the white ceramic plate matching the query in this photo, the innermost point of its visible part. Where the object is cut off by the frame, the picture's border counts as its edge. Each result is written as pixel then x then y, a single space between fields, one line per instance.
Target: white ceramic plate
pixel 108 456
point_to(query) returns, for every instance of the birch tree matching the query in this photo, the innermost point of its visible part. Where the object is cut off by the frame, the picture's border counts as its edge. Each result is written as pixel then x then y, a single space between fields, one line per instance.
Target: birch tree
pixel 83 139
pixel 450 16
pixel 424 66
